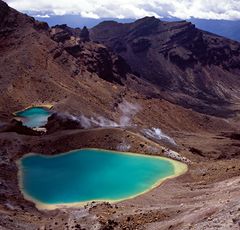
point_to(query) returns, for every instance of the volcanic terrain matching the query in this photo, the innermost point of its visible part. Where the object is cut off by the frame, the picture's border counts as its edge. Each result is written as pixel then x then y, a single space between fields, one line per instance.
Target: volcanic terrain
pixel 151 87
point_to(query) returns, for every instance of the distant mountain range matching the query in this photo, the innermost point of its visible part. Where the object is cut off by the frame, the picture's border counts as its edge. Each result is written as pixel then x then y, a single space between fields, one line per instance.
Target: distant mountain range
pixel 229 29
pixel 226 28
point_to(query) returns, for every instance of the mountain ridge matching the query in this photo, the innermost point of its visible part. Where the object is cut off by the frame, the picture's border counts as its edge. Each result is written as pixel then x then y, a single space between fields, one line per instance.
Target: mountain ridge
pixel 224 28
pixel 176 56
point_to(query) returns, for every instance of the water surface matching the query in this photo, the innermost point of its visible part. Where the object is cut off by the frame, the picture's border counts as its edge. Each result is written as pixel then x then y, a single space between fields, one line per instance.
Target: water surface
pixel 91 174
pixel 34 117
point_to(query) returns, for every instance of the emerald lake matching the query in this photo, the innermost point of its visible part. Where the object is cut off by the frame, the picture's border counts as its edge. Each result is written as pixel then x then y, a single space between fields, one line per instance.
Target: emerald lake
pixel 34 117
pixel 91 175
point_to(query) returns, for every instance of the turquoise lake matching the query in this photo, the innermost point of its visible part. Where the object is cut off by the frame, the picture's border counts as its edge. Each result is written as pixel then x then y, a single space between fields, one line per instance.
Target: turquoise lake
pixel 90 174
pixel 34 117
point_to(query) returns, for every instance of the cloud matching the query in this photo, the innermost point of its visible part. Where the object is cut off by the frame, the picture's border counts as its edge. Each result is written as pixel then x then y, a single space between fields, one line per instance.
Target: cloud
pixel 207 9
pixel 42 16
pixel 184 9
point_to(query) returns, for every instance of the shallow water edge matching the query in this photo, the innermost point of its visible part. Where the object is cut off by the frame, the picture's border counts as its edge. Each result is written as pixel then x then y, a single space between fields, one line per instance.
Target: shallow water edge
pixel 179 169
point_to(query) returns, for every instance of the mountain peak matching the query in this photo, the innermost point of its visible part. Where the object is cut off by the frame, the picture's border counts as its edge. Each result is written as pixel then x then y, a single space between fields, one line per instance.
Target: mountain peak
pixel 147 19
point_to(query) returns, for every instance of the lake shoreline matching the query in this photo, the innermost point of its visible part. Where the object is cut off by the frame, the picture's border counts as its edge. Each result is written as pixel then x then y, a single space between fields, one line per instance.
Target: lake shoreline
pixel 179 169
pixel 44 106
pixel 34 116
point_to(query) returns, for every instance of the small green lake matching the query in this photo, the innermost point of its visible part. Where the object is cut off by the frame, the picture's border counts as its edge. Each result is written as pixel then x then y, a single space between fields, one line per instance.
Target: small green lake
pixel 87 175
pixel 34 117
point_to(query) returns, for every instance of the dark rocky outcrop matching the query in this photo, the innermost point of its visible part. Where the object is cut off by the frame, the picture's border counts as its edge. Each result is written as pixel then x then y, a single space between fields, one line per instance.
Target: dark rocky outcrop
pixel 17 127
pixel 57 122
pixel 41 25
pixel 74 50
pixel 92 57
pixel 62 33
pixel 108 66
pixel 61 36
pixel 84 34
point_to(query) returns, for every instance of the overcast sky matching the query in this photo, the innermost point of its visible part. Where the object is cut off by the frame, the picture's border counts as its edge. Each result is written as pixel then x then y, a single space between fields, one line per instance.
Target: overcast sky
pixel 184 9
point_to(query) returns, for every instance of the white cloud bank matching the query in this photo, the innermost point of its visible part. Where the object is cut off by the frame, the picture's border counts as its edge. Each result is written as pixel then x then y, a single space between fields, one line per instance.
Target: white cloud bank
pixel 184 9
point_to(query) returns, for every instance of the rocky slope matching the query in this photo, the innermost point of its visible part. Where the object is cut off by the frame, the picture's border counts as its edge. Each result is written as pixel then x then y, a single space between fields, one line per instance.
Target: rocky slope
pixel 41 65
pixel 57 66
pixel 193 68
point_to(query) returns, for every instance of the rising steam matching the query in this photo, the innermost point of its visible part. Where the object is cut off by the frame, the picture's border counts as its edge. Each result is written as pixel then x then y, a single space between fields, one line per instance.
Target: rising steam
pixel 157 134
pixel 96 122
pixel 128 111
